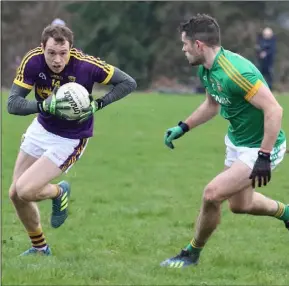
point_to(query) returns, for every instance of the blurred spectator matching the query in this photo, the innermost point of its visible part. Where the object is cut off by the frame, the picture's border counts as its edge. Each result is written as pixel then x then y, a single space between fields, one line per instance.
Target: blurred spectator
pixel 58 21
pixel 16 63
pixel 266 48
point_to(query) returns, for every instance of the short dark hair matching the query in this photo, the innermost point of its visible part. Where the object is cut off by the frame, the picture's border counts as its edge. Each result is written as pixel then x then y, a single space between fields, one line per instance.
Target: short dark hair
pixel 204 28
pixel 59 33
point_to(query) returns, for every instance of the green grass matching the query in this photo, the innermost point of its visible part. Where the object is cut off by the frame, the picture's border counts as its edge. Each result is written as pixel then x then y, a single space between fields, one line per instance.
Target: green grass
pixel 134 203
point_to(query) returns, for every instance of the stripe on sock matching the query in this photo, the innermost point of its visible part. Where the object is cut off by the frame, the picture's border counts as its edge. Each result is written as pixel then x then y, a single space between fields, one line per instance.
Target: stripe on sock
pixel 195 244
pixel 280 211
pixel 37 238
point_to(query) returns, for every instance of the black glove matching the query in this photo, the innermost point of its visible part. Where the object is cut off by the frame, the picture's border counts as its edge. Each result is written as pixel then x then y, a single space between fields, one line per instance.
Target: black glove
pixel 261 169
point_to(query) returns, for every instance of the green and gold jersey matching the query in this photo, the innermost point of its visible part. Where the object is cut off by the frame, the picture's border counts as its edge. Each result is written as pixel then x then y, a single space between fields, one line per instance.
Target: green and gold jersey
pixel 232 82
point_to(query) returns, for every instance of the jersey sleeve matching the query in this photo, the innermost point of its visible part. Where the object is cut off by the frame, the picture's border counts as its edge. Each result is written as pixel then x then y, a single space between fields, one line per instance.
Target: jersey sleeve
pixel 102 71
pixel 27 71
pixel 242 81
pixel 245 85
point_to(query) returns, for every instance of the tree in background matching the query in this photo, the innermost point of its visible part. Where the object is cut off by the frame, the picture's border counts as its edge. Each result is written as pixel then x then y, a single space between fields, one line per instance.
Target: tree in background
pixel 141 37
pixel 124 33
pixel 22 24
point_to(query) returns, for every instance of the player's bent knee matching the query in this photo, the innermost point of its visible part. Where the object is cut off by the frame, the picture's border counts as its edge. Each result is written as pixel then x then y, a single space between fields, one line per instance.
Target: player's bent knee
pixel 12 192
pixel 211 194
pixel 24 191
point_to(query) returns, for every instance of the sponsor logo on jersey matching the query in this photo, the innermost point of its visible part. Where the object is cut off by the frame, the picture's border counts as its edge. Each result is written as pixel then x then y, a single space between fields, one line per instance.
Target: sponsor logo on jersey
pixel 221 100
pixel 71 78
pixel 56 76
pixel 42 75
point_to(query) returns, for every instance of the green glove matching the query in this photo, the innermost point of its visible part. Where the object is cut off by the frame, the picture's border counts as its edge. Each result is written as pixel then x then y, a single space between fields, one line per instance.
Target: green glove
pixel 175 133
pixel 94 106
pixel 54 106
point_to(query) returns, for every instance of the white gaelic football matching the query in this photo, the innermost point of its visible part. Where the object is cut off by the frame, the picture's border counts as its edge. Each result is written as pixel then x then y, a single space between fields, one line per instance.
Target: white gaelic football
pixel 78 99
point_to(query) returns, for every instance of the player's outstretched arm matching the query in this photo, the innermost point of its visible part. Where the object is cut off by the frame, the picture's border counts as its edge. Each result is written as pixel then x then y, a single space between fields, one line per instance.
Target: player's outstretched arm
pixel 206 111
pixel 18 104
pixel 122 83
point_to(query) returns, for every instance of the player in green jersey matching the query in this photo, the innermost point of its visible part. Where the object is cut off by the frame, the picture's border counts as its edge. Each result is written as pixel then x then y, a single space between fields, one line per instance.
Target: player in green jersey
pixel 255 142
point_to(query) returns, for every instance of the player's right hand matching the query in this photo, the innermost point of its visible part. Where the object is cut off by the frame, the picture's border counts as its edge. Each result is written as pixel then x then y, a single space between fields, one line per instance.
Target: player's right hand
pixel 262 170
pixel 54 106
pixel 175 133
pixel 94 106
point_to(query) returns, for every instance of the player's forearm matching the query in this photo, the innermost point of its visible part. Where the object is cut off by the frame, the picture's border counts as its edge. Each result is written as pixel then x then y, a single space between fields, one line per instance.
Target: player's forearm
pixel 202 114
pixel 17 104
pixel 123 85
pixel 272 126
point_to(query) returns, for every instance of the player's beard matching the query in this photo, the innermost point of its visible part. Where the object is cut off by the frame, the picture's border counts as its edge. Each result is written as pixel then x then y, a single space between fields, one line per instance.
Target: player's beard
pixel 197 60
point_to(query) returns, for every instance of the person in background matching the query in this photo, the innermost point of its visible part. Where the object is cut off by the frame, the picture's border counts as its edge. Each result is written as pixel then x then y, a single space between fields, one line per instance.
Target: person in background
pixel 266 49
pixel 58 21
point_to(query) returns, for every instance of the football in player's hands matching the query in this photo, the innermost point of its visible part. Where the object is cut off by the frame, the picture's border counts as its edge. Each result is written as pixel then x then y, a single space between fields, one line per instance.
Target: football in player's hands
pixel 76 96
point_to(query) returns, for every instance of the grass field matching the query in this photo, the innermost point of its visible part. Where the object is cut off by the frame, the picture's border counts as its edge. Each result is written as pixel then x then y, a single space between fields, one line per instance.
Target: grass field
pixel 134 202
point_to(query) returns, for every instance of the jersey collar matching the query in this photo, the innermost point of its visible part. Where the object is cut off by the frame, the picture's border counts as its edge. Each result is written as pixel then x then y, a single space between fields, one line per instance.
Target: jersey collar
pixel 221 51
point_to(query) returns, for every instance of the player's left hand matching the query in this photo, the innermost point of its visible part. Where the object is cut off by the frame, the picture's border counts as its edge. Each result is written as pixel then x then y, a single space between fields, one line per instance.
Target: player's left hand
pixel 94 106
pixel 54 106
pixel 261 170
pixel 175 133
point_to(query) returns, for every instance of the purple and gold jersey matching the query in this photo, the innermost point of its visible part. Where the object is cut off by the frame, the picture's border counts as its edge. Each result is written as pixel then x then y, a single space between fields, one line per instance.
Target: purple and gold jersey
pixel 81 68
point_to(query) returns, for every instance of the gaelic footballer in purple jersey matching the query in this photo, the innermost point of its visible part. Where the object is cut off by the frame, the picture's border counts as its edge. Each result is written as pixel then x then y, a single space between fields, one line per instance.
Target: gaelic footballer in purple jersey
pixel 81 68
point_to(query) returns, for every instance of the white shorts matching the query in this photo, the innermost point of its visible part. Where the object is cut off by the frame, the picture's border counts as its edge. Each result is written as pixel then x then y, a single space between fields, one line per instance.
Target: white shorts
pixel 250 155
pixel 64 152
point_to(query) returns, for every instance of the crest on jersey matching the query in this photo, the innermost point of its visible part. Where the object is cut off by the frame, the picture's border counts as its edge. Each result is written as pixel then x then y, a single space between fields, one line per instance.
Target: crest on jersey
pixel 71 78
pixel 43 92
pixel 216 85
pixel 219 87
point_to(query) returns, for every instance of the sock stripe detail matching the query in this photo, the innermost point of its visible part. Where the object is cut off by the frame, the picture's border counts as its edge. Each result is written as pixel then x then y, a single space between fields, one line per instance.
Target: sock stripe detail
pixel 195 244
pixel 281 210
pixel 40 242
pixel 37 238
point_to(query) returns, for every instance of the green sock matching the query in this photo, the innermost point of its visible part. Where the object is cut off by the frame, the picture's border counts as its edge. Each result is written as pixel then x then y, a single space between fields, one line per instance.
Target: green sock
pixel 194 246
pixel 282 212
